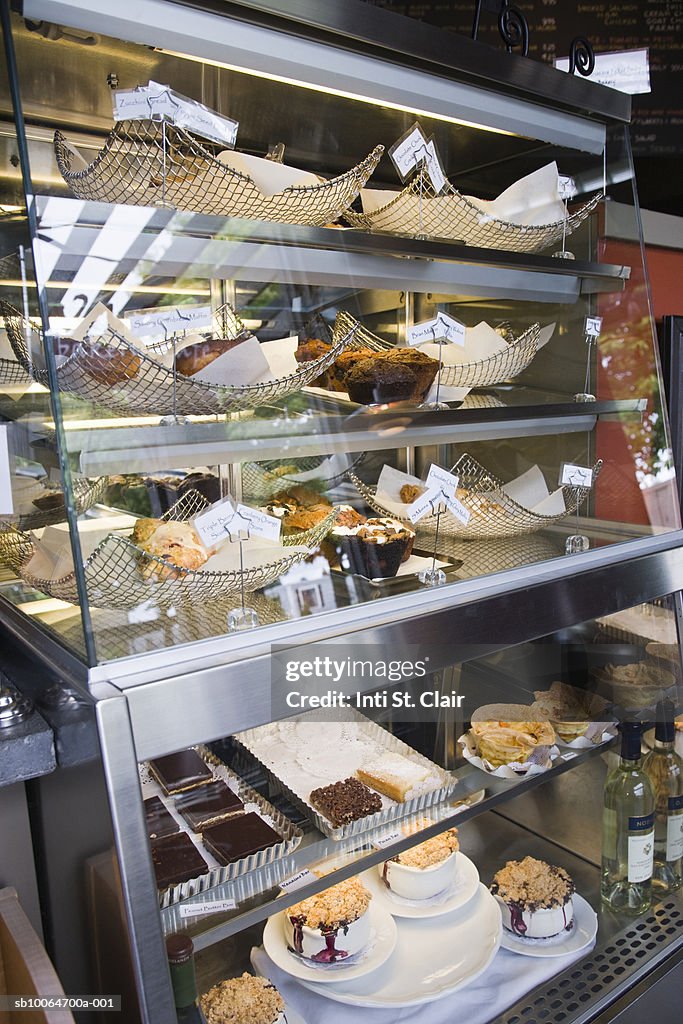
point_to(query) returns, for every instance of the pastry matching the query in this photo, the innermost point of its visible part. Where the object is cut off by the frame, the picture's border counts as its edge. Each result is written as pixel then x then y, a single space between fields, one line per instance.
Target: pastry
pixel 108 364
pixel 511 742
pixel 343 802
pixel 636 685
pixel 347 519
pixel 245 1000
pixel 130 493
pixel 343 364
pixel 535 898
pixel 159 821
pixel 425 870
pixel 200 355
pixel 423 366
pixel 303 519
pixel 206 484
pixel 49 501
pixel 376 548
pixel 208 804
pixel 239 837
pixel 176 859
pixel 398 777
pixel 143 530
pixel 173 542
pixel 177 772
pixel 311 349
pixel 332 925
pixel 376 381
pixel 410 493
pixel 303 497
pixel 570 711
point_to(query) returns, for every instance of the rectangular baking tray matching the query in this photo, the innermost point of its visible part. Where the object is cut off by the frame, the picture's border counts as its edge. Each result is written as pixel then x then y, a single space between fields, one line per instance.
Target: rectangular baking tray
pixel 392 811
pixel 220 873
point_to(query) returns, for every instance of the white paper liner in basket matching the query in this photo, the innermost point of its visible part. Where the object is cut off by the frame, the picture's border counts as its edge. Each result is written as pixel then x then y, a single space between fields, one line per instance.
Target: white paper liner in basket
pixel 595 735
pixel 143 163
pixel 417 211
pixel 153 387
pixel 282 775
pixel 218 874
pixel 86 493
pixel 493 512
pixel 511 357
pixel 114 576
pixel 514 770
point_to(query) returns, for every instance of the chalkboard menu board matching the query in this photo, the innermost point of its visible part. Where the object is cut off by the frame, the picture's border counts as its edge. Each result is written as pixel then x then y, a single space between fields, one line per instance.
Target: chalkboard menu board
pixel 610 26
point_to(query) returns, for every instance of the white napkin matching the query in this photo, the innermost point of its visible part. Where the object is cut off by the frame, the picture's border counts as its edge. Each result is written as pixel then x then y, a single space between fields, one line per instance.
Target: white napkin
pixel 269 176
pixel 508 978
pixel 241 365
pixel 98 321
pixel 531 491
pixel 256 553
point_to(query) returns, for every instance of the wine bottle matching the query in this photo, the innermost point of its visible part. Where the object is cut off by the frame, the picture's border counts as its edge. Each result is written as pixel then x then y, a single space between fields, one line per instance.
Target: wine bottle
pixel 628 829
pixel 665 771
pixel 180 952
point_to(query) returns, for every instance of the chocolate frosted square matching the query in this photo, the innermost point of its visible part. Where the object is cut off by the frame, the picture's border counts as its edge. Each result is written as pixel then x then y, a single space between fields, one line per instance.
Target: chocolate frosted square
pixel 208 804
pixel 239 837
pixel 346 801
pixel 178 772
pixel 159 821
pixel 176 859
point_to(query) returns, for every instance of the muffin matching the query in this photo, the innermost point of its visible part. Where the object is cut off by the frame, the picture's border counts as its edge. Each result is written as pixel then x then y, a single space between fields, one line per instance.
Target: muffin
pixel 343 364
pixel 245 1000
pixel 347 519
pixel 535 898
pixel 108 364
pixel 314 348
pixel 425 870
pixel 332 925
pixel 375 549
pixel 423 366
pixel 377 381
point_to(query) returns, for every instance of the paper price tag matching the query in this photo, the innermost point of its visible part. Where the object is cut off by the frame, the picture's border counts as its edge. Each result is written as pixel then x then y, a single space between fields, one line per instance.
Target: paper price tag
pixel 575 476
pixel 457 509
pixel 260 523
pixel 298 881
pixel 434 168
pixel 442 328
pixel 421 334
pixel 407 152
pixel 170 321
pixel 425 504
pixel 438 477
pixel 566 186
pixel 6 502
pixel 388 839
pixel 206 907
pixel 592 326
pixel 159 101
pixel 225 520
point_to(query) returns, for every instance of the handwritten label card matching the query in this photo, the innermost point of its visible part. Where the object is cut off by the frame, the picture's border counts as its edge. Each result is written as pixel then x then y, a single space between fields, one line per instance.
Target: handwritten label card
pixel 576 476
pixel 170 320
pixel 438 477
pixel 224 520
pixel 414 148
pixel 442 328
pixel 566 186
pixel 159 102
pixel 425 504
pixel 593 326
pixel 298 881
pixel 457 509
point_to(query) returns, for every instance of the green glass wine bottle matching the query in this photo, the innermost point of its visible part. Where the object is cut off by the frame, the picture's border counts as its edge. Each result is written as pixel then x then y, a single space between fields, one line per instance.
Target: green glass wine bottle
pixel 180 952
pixel 628 835
pixel 665 771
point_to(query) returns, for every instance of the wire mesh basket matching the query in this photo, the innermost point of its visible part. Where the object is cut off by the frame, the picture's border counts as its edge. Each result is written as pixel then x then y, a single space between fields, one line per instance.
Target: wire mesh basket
pixel 418 212
pixel 15 548
pixel 12 373
pixel 148 162
pixel 492 512
pixel 261 481
pixel 86 493
pixel 501 366
pixel 122 378
pixel 119 574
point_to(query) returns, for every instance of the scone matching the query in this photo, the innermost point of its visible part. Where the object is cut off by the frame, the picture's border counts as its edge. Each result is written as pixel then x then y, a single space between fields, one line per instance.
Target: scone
pixel 176 543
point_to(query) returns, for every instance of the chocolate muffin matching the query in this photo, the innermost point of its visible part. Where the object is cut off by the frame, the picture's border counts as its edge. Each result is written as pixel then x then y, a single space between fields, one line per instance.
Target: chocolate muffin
pixel 423 366
pixel 343 364
pixel 347 519
pixel 375 549
pixel 375 381
pixel 314 348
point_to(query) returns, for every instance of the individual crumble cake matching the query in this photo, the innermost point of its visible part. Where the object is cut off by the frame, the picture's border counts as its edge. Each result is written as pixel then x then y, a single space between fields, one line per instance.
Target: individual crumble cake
pixel 532 884
pixel 245 1000
pixel 332 908
pixel 343 802
pixel 432 851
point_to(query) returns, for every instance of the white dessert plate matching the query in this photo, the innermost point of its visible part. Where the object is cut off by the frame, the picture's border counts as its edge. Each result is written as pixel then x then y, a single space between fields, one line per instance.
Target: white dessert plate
pixel 433 958
pixel 384 936
pixel 455 896
pixel 584 930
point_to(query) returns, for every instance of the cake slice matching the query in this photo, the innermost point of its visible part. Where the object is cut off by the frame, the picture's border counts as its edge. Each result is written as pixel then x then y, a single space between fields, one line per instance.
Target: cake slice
pixel 238 837
pixel 343 802
pixel 398 777
pixel 176 859
pixel 177 772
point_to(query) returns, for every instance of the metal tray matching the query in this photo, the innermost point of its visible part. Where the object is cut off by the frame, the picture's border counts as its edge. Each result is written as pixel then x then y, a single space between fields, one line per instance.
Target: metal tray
pixel 253 801
pixel 384 740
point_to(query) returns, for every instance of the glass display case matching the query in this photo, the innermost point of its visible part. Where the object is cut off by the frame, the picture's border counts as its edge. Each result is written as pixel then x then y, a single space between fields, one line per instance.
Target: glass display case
pixel 314 346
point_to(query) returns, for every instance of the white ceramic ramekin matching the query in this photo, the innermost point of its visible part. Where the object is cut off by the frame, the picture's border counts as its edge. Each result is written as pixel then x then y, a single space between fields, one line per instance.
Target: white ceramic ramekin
pixel 312 944
pixel 414 883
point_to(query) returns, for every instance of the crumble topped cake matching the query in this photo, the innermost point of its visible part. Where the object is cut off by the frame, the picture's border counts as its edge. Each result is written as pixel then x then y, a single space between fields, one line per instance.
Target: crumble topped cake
pixel 432 851
pixel 333 908
pixel 532 884
pixel 245 1000
pixel 343 802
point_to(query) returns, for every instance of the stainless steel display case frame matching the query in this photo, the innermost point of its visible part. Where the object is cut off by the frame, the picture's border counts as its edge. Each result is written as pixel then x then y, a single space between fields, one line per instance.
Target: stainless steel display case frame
pixel 144 708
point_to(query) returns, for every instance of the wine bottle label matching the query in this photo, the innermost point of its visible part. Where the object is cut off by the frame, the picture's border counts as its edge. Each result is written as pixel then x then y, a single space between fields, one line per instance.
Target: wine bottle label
pixel 674 829
pixel 641 848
